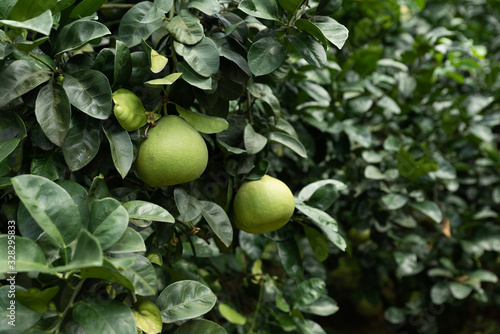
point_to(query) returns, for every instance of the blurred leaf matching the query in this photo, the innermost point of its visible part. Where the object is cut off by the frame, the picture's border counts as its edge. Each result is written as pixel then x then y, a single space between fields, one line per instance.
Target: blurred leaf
pixel 252 244
pixel 374 173
pixel 459 290
pixel 413 169
pixel 395 315
pixel 111 317
pixel 289 255
pixel 429 209
pixel 324 306
pixel 408 264
pixel 488 237
pixel 289 142
pixel 328 7
pixel 318 242
pixel 185 300
pixel 307 292
pixel 231 314
pixel 265 56
pixel 394 201
pixel 306 192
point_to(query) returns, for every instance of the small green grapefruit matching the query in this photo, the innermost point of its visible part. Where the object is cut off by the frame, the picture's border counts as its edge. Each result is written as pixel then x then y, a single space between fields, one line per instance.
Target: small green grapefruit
pixel 263 206
pixel 174 153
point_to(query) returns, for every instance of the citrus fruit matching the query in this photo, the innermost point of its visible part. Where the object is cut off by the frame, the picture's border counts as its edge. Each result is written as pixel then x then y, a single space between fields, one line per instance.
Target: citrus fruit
pixel 263 206
pixel 359 236
pixel 128 110
pixel 174 153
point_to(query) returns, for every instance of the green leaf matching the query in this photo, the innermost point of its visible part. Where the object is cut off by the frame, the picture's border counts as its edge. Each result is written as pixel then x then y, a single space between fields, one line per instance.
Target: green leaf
pixel 460 290
pixel 186 28
pixel 189 207
pixel 160 7
pixel 335 32
pixel 53 112
pixel 147 317
pixel 309 190
pixel 324 222
pixel 122 69
pixel 289 255
pixel 41 23
pixel 25 318
pixel 209 7
pixel 193 78
pixel 252 244
pixel 359 134
pixel 7 147
pixel 429 209
pixel 78 33
pixel 408 264
pixel 323 306
pixel 88 253
pixel 28 255
pixel 413 169
pixel 19 78
pixel 374 173
pixel 37 299
pixel 265 56
pixel 107 272
pixel 254 142
pixel 158 61
pixel 90 92
pixel 132 29
pixel 86 8
pixel 312 29
pixel 27 9
pixel 394 201
pixel 218 221
pixel 185 300
pixel 108 221
pixel 395 315
pixel 82 142
pixel 328 7
pixel 148 211
pixel 288 141
pixel 231 314
pixel 203 57
pixel 291 6
pixel 142 274
pixel 264 9
pixel 488 237
pixel 166 81
pixel 440 293
pixel 203 123
pixel 111 317
pixel 46 164
pixel 318 242
pixel 307 292
pixel 51 206
pixel 130 242
pixel 200 326
pixel 324 197
pixel 258 171
pixel 122 150
pixel 309 48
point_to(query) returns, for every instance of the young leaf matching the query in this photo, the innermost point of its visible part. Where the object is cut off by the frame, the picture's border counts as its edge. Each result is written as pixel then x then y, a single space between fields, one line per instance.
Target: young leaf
pixel 166 81
pixel 185 300
pixel 147 317
pixel 231 314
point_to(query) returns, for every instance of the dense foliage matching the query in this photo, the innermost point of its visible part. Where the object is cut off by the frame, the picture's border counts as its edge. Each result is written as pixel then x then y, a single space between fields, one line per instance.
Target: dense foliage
pixel 382 116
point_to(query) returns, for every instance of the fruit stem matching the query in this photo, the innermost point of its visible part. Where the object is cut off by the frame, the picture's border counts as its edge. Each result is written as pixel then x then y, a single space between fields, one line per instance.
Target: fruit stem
pixel 184 230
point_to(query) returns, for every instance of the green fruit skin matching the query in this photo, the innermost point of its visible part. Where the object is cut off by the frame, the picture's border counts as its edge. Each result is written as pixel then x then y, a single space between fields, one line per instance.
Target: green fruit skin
pixel 263 206
pixel 129 110
pixel 174 153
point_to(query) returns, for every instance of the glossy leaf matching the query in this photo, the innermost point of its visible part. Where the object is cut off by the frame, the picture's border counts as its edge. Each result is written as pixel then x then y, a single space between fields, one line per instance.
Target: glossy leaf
pixel 288 141
pixel 81 143
pixel 51 206
pixel 108 221
pixel 87 253
pixel 193 78
pixel 189 207
pixel 186 28
pixel 53 112
pixel 90 92
pixel 19 78
pixel 27 9
pixel 328 7
pixel 41 23
pixel 209 7
pixel 107 272
pixel 78 33
pixel 264 9
pixel 335 32
pixel 132 29
pixel 86 8
pixel 147 211
pixel 308 292
pixel 122 150
pixel 25 318
pixel 46 164
pixel 111 317
pixel 290 258
pixel 157 11
pixel 185 300
pixel 203 57
pixel 203 123
pixel 218 221
pixel 130 242
pixel 122 69
pixel 265 56
pixel 143 276
pixel 254 142
pixel 309 48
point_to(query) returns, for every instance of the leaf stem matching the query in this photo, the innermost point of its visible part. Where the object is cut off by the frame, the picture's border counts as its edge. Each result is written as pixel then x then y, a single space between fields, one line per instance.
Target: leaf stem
pixel 69 306
pixel 184 230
